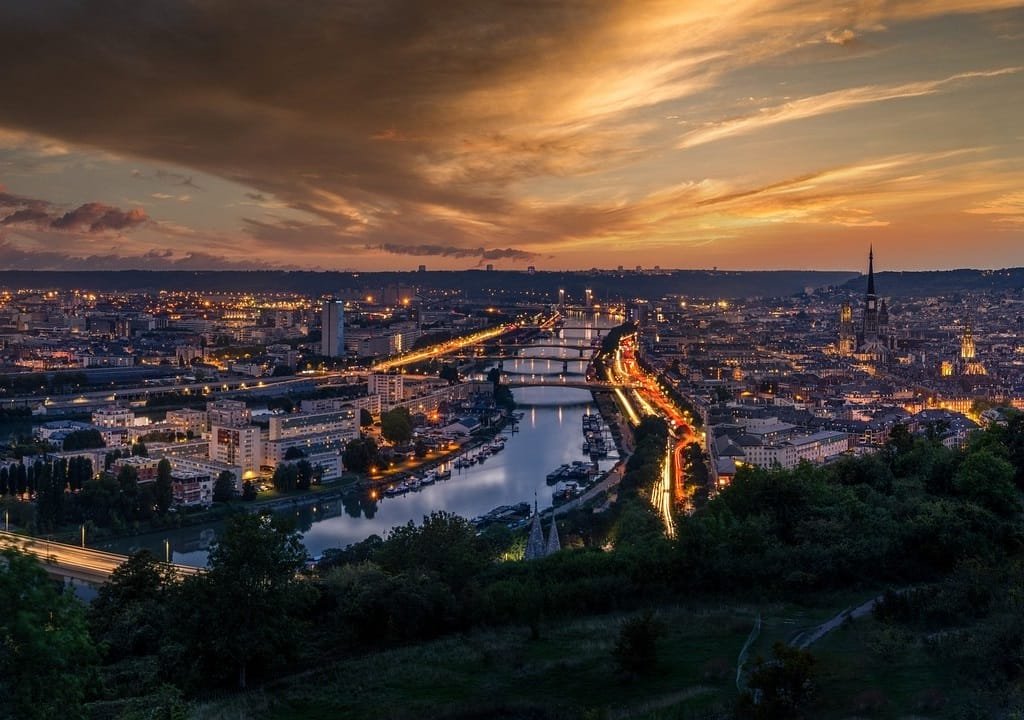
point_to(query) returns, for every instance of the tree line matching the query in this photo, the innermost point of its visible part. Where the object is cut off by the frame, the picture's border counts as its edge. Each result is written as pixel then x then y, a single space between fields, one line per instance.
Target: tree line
pixel 917 514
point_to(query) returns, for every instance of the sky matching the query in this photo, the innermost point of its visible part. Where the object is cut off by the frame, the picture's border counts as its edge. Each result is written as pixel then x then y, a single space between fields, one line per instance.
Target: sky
pixel 388 134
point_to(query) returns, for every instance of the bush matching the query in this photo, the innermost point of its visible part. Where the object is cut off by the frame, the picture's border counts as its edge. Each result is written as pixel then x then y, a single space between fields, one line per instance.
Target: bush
pixel 636 649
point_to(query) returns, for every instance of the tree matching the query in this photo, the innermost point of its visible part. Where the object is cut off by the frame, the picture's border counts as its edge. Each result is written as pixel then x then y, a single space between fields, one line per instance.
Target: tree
pixel 139 449
pixel 249 491
pixel 636 649
pixel 128 482
pixel 21 479
pixel 445 544
pixel 286 477
pixel 303 474
pixel 47 660
pixel 252 595
pixel 449 373
pixel 130 613
pixel 294 453
pixel 989 481
pixel 164 490
pixel 359 454
pixel 781 688
pixel 420 449
pixel 224 487
pixel 396 425
pixel 50 495
pixel 365 418
pixel 83 440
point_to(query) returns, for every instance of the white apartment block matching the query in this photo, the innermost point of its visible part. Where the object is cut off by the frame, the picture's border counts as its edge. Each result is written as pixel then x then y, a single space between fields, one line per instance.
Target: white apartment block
pixel 241 446
pixel 815 448
pixel 389 386
pixel 113 417
pixel 186 420
pixel 212 468
pixel 370 403
pixel 191 488
pixel 344 421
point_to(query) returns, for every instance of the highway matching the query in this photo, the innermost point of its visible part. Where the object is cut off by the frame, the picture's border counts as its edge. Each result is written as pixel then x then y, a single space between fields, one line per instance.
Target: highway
pixel 70 561
pixel 650 399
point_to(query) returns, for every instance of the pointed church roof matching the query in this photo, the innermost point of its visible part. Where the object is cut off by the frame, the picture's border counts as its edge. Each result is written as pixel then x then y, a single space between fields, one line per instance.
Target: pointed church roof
pixel 554 544
pixel 535 543
pixel 871 271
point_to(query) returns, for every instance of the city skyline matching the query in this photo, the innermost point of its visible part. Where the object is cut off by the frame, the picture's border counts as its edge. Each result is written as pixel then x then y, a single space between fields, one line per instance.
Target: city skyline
pixel 779 135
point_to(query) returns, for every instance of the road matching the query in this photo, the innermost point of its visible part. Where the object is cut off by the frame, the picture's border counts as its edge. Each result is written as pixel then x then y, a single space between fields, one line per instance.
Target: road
pixel 72 561
pixel 646 397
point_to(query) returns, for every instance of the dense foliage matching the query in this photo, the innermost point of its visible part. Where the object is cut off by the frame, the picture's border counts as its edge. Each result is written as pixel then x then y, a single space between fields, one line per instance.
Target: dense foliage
pixel 47 658
pixel 942 527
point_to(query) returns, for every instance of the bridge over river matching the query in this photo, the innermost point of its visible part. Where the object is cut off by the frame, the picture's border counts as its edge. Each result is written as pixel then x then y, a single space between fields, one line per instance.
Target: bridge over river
pixel 561 381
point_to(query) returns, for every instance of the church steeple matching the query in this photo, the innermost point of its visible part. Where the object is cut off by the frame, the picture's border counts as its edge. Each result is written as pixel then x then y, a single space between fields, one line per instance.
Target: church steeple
pixel 871 271
pixel 535 542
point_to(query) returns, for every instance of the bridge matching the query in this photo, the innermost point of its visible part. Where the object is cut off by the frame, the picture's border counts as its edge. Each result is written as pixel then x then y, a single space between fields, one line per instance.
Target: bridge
pixel 556 346
pixel 538 358
pixel 581 327
pixel 78 564
pixel 560 381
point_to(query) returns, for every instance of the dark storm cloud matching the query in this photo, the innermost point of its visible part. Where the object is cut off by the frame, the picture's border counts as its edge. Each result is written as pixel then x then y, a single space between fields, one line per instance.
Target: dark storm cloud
pixel 90 217
pixel 26 215
pixel 477 126
pixel 14 257
pixel 96 217
pixel 342 109
pixel 456 252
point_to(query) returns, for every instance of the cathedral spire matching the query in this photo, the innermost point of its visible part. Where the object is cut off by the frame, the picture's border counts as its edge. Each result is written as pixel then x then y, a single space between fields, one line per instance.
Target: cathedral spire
pixel 871 271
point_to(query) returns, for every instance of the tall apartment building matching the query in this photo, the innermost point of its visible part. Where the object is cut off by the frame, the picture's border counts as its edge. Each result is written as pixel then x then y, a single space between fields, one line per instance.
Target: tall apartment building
pixel 227 413
pixel 389 386
pixel 332 343
pixel 239 446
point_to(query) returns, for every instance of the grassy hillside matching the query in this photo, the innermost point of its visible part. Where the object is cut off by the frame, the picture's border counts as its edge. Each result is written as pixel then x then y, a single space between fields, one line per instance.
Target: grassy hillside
pixel 570 673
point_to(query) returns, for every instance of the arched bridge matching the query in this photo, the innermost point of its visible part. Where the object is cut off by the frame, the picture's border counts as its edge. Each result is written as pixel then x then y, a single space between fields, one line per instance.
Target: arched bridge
pixel 560 381
pixel 538 358
pixel 557 346
pixel 69 562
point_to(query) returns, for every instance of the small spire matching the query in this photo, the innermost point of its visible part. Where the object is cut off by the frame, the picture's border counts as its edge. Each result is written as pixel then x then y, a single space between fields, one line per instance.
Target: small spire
pixel 554 544
pixel 535 542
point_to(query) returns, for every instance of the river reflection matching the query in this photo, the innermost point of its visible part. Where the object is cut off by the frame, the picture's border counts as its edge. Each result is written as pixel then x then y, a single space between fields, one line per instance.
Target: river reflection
pixel 548 435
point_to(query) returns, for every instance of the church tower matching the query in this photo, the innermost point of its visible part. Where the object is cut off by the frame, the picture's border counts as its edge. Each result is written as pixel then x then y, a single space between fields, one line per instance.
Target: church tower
pixel 967 349
pixel 874 341
pixel 847 335
pixel 871 304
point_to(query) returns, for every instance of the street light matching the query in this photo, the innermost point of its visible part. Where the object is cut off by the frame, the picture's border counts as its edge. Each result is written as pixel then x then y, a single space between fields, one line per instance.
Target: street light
pixel 83 534
pixel 167 551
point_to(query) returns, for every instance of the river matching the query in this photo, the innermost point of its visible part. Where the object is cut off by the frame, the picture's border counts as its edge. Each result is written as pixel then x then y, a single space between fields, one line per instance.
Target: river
pixel 548 435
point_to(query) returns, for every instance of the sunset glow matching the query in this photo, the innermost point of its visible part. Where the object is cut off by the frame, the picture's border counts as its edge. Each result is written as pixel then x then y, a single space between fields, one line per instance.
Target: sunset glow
pixel 389 134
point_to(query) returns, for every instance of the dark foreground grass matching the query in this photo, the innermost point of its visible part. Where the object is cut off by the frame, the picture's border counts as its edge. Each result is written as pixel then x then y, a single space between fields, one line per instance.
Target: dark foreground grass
pixel 569 673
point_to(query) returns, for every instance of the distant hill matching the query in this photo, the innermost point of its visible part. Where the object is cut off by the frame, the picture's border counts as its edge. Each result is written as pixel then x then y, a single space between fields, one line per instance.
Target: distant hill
pixel 941 282
pixel 476 283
